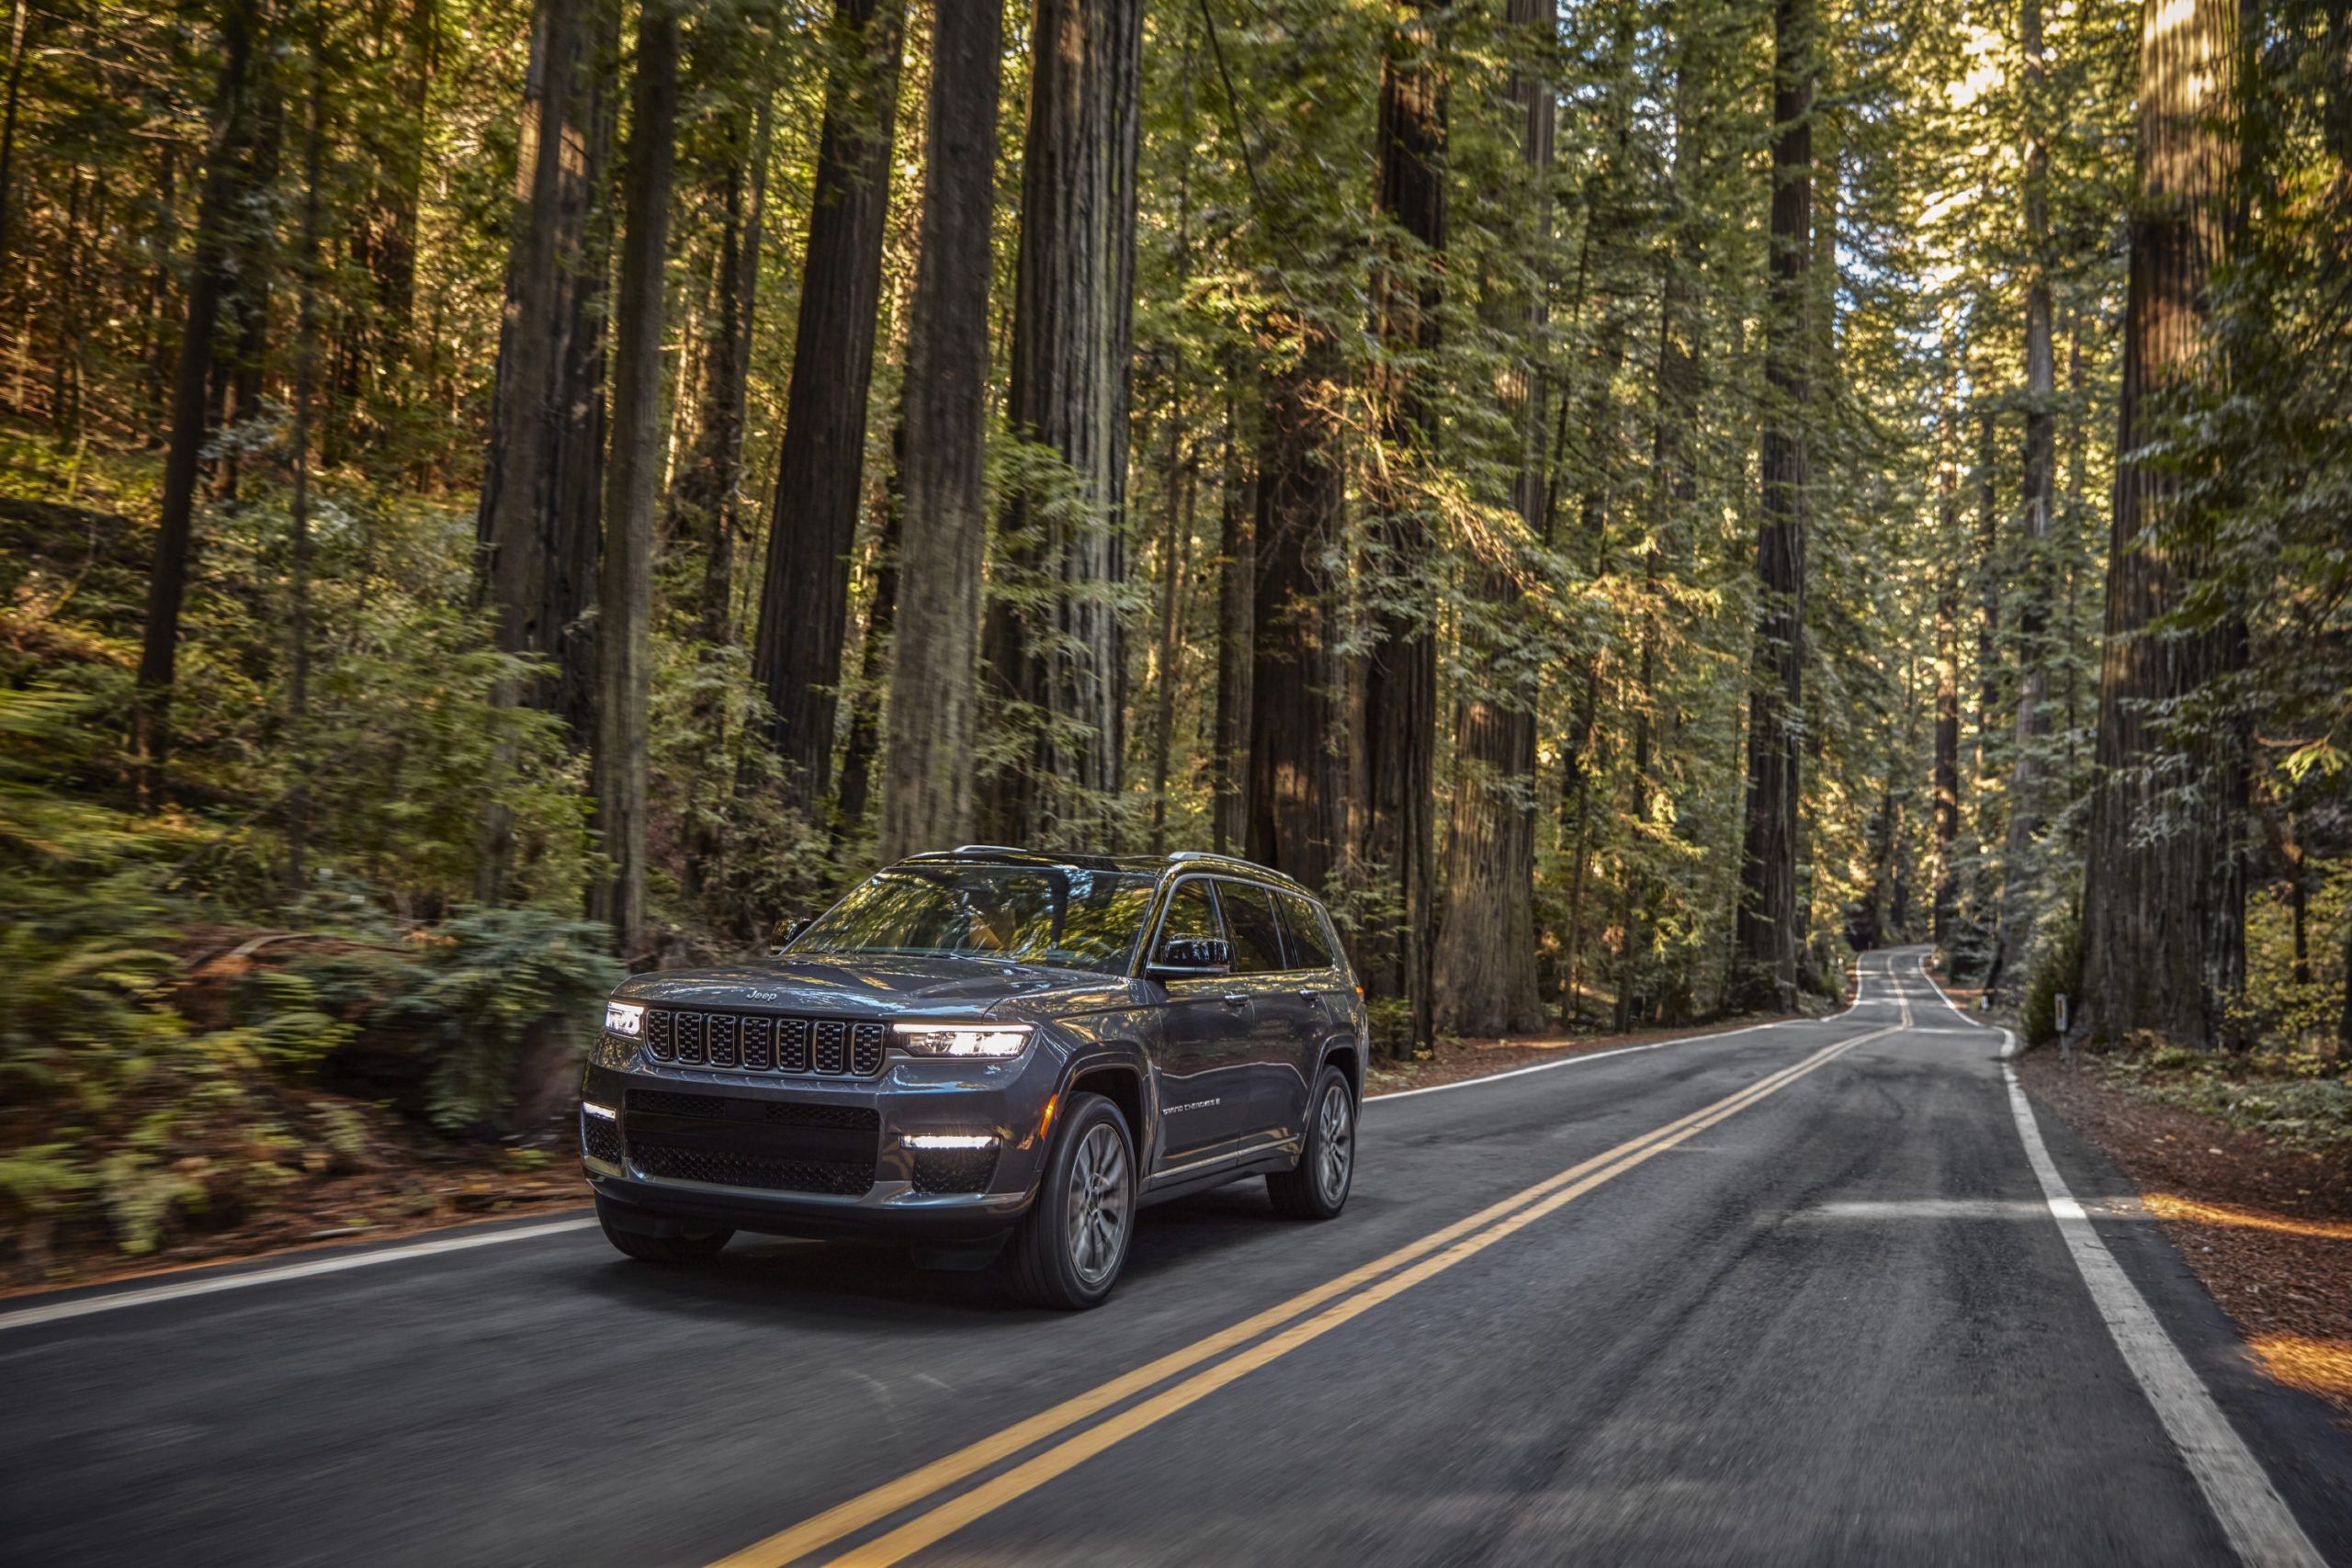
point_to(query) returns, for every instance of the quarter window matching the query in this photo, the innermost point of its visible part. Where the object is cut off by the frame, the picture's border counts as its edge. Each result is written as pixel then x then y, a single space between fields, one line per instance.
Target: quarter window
pixel 1310 947
pixel 1252 928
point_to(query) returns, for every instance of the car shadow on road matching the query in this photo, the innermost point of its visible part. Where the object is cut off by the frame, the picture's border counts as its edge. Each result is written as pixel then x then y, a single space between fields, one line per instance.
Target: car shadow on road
pixel 773 1281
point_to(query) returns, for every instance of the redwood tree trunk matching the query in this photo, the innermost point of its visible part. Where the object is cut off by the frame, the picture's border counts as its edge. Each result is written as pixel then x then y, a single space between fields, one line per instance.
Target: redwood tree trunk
pixel 1072 332
pixel 820 469
pixel 2019 893
pixel 1236 597
pixel 1400 671
pixel 541 479
pixel 225 180
pixel 2163 916
pixel 1297 783
pixel 1766 937
pixel 934 726
pixel 1483 971
pixel 625 598
pixel 706 495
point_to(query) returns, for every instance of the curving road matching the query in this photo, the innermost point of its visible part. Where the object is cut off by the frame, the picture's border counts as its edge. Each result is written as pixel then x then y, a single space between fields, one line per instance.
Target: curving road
pixel 1809 1293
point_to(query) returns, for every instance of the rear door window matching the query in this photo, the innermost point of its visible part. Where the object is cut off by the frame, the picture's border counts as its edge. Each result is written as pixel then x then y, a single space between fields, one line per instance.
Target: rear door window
pixel 1310 944
pixel 1251 926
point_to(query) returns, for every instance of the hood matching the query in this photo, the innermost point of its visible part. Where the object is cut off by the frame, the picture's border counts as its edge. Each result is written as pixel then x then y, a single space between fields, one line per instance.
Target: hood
pixel 880 985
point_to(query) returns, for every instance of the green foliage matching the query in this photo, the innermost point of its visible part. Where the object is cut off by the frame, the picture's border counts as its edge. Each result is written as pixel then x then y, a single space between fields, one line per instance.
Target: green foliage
pixel 491 982
pixel 2056 970
pixel 2300 1098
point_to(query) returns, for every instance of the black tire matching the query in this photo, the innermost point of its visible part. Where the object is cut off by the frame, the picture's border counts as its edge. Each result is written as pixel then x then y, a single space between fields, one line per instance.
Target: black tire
pixel 693 1245
pixel 1046 1263
pixel 1317 1187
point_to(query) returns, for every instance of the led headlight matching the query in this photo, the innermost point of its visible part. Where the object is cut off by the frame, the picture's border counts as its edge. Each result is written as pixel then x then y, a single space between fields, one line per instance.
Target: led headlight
pixel 986 1040
pixel 624 1018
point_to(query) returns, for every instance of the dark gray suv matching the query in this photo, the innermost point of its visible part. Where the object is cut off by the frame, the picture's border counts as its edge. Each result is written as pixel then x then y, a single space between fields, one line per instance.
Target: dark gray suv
pixel 994 1054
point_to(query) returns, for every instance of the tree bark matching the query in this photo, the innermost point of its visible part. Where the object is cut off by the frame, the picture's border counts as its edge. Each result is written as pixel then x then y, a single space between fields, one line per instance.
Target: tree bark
pixel 707 495
pixel 934 727
pixel 541 479
pixel 2164 912
pixel 225 180
pixel 625 596
pixel 1072 333
pixel 1988 594
pixel 1483 971
pixel 2019 892
pixel 306 376
pixel 1400 670
pixel 1674 489
pixel 17 18
pixel 1946 780
pixel 1297 785
pixel 1236 597
pixel 820 469
pixel 1766 937
pixel 1175 550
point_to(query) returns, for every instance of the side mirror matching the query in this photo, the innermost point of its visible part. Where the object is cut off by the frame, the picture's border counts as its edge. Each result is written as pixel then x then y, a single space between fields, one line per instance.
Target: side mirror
pixel 785 932
pixel 1190 957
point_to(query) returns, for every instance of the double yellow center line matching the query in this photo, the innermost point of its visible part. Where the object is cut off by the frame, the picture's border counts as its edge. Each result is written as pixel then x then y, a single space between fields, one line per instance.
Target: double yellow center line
pixel 1349 1294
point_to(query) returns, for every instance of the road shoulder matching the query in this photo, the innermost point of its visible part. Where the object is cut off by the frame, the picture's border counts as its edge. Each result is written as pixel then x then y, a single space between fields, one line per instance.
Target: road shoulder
pixel 2303 1442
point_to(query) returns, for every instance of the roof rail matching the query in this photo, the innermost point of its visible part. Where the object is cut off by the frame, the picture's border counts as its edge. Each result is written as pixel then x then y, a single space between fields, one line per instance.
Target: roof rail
pixel 990 848
pixel 1213 857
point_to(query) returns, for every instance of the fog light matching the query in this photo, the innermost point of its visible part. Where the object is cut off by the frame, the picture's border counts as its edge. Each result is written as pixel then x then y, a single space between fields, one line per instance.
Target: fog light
pixel 603 1112
pixel 949 1140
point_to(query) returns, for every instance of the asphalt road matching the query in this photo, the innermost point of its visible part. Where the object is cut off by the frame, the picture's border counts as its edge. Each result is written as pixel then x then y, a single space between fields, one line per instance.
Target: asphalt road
pixel 1813 1305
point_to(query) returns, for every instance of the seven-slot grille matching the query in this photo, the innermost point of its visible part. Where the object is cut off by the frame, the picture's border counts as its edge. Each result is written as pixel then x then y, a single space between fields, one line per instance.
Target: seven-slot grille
pixel 761 1043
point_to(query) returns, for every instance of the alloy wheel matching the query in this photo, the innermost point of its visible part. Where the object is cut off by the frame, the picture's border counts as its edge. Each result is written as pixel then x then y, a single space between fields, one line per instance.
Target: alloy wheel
pixel 1335 1135
pixel 1100 1203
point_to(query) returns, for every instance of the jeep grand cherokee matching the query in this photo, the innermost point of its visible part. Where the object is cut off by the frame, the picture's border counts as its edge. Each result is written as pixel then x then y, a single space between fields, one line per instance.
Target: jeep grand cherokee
pixel 993 1054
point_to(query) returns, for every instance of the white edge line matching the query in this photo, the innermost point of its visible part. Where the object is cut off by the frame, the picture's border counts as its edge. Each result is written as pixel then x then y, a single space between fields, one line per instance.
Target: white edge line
pixel 84 1306
pixel 2260 1526
pixel 2010 1044
pixel 1629 1050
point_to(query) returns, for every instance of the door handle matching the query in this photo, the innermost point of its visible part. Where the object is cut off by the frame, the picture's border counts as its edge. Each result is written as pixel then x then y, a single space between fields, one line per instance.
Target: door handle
pixel 1235 998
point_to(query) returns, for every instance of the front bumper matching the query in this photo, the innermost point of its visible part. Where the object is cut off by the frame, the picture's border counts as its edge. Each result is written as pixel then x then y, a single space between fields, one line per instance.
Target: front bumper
pixel 822 1156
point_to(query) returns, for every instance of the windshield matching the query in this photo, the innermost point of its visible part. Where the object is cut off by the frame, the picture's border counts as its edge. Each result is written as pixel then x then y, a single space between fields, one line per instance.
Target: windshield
pixel 1058 915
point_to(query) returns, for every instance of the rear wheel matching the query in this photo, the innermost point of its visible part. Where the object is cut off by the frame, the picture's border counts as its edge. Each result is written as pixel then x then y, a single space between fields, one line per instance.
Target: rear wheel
pixel 1071 1244
pixel 1317 1187
pixel 691 1245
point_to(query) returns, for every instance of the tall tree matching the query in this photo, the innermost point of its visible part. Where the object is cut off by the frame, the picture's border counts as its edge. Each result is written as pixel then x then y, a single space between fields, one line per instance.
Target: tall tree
pixel 542 476
pixel 820 469
pixel 1297 785
pixel 1483 972
pixel 226 179
pixel 2039 473
pixel 625 596
pixel 1072 333
pixel 934 689
pixel 708 495
pixel 1767 934
pixel 2164 898
pixel 1236 598
pixel 306 376
pixel 1400 670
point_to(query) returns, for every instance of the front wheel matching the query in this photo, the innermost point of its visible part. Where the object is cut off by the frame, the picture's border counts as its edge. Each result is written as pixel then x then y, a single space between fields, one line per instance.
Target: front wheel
pixel 1069 1250
pixel 1317 1187
pixel 690 1246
